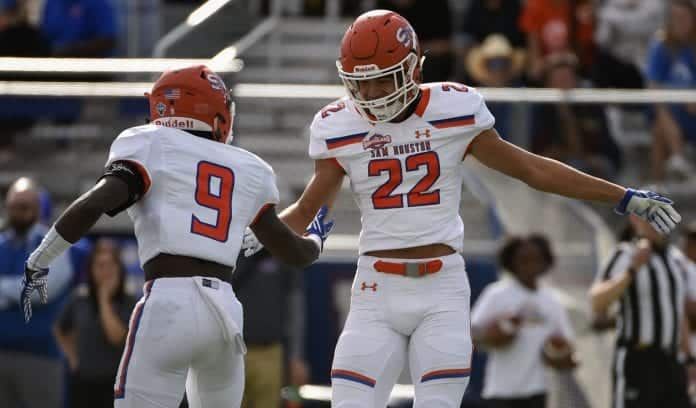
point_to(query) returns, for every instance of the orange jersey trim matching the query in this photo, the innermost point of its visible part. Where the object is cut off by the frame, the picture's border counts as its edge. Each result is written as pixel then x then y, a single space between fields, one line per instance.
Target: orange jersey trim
pixel 335 162
pixel 143 173
pixel 423 103
pixel 263 209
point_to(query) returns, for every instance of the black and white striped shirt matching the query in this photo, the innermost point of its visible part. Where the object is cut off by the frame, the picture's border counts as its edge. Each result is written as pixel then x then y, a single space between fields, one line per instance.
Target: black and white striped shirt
pixel 652 307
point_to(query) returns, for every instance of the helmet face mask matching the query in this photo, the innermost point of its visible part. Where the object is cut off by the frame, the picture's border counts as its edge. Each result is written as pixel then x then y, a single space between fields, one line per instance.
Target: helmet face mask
pixel 388 107
pixel 380 45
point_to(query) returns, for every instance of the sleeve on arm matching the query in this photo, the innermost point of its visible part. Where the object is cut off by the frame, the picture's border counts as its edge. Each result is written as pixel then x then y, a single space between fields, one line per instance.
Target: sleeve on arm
pixel 482 311
pixel 483 118
pixel 269 196
pixel 128 160
pixel 134 176
pixel 317 142
pixel 657 67
pixel 618 262
pixel 564 324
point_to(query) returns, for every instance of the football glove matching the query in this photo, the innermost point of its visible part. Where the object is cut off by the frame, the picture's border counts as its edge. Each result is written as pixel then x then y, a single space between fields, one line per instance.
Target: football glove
pixel 250 244
pixel 652 207
pixel 34 279
pixel 319 227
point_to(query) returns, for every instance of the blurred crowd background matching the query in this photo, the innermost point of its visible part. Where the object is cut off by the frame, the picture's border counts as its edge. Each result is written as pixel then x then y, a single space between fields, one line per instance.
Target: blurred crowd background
pixel 53 147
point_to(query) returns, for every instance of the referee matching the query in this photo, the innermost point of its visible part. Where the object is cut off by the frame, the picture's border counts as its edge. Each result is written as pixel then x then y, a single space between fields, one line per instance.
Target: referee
pixel 647 277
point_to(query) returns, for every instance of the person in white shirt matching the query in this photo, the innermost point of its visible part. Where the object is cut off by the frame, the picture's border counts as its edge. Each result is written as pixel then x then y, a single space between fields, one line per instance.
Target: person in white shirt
pixel 522 326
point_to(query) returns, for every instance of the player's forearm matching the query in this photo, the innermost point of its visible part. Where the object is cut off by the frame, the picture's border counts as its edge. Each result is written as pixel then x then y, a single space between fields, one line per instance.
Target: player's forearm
pixel 84 212
pixel 77 219
pixel 299 252
pixel 603 294
pixel 552 176
pixel 297 217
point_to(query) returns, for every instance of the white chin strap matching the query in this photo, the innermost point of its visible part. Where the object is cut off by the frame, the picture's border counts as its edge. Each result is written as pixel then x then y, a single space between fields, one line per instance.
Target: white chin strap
pixel 230 134
pixel 388 112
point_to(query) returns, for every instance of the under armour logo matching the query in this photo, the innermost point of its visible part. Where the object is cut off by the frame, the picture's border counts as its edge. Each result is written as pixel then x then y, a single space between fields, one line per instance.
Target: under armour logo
pixel 365 286
pixel 423 132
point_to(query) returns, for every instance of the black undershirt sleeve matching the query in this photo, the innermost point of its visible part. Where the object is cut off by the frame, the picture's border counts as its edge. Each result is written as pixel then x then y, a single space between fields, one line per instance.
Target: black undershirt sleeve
pixel 129 173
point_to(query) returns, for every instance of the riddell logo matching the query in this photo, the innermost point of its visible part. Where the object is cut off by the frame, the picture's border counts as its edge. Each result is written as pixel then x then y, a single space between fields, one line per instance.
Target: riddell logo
pixel 365 68
pixel 376 141
pixel 175 123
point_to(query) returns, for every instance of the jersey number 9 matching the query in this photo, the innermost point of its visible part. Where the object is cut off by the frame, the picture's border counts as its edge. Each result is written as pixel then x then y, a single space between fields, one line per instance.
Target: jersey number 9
pixel 218 199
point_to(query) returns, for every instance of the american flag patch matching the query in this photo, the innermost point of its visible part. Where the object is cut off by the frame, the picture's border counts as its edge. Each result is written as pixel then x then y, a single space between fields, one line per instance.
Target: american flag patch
pixel 172 93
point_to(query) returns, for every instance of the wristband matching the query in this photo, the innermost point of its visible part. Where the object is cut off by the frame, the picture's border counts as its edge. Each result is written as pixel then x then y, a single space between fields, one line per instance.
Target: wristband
pixel 52 246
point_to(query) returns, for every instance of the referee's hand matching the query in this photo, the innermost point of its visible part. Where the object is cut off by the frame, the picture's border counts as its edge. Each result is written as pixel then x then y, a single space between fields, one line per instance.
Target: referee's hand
pixel 642 254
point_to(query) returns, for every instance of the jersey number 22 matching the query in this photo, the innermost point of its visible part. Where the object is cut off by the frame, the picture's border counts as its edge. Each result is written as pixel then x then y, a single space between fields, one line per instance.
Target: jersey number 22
pixel 220 201
pixel 419 195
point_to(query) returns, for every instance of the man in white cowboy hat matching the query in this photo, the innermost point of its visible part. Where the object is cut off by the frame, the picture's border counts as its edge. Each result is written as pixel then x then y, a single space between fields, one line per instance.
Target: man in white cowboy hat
pixel 495 62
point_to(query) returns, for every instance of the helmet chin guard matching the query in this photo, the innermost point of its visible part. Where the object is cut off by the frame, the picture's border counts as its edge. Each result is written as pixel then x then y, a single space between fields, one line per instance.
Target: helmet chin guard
pixel 388 107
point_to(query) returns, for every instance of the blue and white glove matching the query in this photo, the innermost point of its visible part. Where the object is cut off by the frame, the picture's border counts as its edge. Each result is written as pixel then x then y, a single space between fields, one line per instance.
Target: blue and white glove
pixel 652 207
pixel 319 229
pixel 34 279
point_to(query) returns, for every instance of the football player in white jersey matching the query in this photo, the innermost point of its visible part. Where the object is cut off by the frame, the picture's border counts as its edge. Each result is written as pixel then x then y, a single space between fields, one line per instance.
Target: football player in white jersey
pixel 401 143
pixel 190 196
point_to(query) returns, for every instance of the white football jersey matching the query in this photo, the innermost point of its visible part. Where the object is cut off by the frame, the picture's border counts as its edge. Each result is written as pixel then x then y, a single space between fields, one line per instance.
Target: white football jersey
pixel 406 177
pixel 202 194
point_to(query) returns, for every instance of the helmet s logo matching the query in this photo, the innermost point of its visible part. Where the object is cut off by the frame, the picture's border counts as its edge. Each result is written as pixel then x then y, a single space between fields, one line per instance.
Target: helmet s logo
pixel 161 108
pixel 216 83
pixel 405 36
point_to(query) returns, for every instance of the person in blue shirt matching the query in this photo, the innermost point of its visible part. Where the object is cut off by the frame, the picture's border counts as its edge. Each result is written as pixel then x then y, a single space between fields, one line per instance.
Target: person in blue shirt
pixel 672 64
pixel 26 350
pixel 80 28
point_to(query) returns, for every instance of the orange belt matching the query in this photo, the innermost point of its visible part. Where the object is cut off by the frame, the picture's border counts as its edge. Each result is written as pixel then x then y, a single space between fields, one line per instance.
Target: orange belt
pixel 410 269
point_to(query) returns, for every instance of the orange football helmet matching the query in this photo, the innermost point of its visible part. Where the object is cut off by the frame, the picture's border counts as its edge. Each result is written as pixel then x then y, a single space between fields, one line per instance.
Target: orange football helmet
pixel 193 98
pixel 381 43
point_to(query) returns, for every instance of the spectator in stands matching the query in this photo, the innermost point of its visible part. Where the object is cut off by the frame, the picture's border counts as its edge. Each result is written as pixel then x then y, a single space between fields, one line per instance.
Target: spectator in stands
pixel 672 64
pixel 80 28
pixel 274 318
pixel 624 30
pixel 487 17
pixel 432 21
pixel 91 330
pixel 17 39
pixel 646 276
pixel 496 64
pixel 577 134
pixel 689 248
pixel 523 327
pixel 554 26
pixel 27 349
pixel 690 241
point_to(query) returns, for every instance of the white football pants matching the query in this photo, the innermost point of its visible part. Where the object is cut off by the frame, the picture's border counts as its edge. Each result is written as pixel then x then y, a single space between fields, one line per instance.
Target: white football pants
pixel 184 334
pixel 394 317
